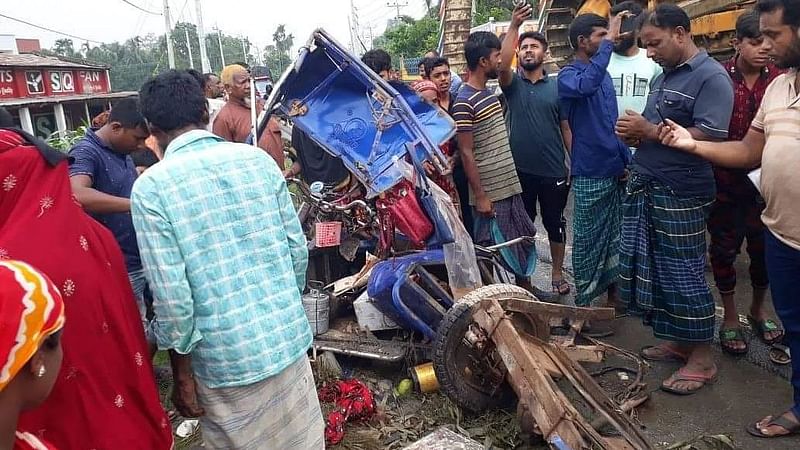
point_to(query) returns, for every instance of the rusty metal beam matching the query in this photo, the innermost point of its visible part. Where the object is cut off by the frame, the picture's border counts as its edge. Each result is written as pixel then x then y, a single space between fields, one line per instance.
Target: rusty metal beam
pixel 698 8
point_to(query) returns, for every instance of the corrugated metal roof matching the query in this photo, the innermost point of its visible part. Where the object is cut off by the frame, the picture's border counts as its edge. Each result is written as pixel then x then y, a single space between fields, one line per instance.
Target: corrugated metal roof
pixel 65 98
pixel 31 60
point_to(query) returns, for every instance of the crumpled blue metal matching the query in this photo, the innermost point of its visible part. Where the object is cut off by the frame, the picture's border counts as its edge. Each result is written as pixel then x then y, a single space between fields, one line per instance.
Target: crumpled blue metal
pixel 354 114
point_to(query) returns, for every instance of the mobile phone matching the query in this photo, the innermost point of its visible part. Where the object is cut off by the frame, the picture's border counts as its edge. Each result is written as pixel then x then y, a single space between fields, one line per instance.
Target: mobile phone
pixel 660 115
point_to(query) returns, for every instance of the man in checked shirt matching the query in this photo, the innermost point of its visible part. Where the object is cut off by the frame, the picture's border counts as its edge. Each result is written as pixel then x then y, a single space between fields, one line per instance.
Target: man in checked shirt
pixel 224 251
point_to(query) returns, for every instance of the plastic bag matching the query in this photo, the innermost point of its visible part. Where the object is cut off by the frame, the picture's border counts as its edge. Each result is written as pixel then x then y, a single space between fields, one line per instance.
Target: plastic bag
pixel 463 273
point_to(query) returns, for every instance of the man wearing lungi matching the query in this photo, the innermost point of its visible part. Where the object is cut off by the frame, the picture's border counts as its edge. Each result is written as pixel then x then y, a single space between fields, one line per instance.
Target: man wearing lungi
pixel 494 189
pixel 669 196
pixel 589 102
pixel 772 142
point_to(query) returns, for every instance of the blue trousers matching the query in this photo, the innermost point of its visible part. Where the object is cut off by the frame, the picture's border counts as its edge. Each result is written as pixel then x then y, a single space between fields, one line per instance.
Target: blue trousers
pixel 783 269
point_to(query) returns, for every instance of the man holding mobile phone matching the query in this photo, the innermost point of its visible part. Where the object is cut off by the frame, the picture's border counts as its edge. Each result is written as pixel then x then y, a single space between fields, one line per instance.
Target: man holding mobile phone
pixel 668 198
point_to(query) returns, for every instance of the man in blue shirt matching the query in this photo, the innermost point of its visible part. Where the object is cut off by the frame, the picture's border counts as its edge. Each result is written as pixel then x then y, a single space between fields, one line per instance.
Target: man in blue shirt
pixel 599 158
pixel 226 256
pixel 102 173
pixel 669 197
pixel 538 135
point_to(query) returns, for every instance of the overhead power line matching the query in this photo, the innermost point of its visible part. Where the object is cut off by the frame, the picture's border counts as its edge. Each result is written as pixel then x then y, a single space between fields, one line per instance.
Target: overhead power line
pixel 49 29
pixel 142 9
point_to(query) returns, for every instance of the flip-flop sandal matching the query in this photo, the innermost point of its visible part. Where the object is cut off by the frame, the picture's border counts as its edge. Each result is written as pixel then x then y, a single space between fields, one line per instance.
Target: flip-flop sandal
pixel 766 326
pixel 729 335
pixel 779 354
pixel 682 375
pixel 596 332
pixel 793 428
pixel 561 287
pixel 668 354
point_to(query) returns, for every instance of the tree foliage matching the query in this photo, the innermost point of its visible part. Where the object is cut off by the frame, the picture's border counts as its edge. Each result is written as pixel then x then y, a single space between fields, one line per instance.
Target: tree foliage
pixel 412 38
pixel 133 61
pixel 277 56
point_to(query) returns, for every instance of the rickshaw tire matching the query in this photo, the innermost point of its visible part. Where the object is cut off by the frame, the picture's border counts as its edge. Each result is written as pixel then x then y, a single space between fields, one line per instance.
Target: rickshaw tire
pixel 448 338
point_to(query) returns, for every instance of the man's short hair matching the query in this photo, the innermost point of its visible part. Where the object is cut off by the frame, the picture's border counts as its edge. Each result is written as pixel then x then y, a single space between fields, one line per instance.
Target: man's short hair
pixel 207 78
pixel 747 26
pixel 378 60
pixel 791 10
pixel 629 5
pixel 126 112
pixel 480 44
pixel 432 63
pixel 173 100
pixel 229 71
pixel 535 35
pixel 197 76
pixel 667 16
pixel 584 25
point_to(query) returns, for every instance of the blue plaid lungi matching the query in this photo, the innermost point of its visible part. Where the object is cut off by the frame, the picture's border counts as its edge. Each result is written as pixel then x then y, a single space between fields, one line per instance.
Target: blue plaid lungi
pixel 663 258
pixel 595 257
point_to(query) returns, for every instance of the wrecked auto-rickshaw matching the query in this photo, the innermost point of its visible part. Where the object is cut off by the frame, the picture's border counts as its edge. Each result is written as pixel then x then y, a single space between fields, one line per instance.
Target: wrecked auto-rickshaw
pixel 490 341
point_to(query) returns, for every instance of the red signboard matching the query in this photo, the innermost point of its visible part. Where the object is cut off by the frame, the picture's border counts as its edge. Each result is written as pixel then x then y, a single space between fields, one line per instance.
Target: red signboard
pixel 8 88
pixel 62 81
pixel 92 81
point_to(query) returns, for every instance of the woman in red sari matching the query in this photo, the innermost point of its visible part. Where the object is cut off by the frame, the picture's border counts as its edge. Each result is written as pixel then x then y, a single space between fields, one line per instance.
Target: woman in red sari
pixel 105 396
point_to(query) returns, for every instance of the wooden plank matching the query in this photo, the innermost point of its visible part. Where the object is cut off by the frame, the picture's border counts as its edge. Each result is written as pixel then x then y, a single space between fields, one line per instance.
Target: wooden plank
pixel 534 346
pixel 585 353
pixel 534 387
pixel 551 309
pixel 589 389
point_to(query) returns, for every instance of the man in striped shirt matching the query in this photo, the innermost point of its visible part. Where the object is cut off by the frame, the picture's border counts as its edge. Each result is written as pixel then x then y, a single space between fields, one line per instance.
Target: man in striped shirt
pixel 487 160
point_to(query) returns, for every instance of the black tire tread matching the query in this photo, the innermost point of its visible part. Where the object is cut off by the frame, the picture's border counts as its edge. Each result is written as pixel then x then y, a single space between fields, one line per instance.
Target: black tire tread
pixel 462 394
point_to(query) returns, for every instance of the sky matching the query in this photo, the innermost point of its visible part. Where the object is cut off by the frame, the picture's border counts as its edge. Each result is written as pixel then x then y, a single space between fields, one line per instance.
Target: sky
pixel 116 20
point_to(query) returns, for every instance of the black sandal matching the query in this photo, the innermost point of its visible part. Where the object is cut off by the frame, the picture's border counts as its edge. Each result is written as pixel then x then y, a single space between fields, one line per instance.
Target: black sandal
pixel 766 326
pixel 793 428
pixel 561 287
pixel 729 335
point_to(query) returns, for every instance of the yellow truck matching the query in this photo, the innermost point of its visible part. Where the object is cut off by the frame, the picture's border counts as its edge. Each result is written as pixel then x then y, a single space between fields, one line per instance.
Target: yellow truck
pixel 713 22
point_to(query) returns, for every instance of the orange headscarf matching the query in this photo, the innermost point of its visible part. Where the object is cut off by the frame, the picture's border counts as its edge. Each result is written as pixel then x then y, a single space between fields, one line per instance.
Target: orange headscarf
pixel 31 309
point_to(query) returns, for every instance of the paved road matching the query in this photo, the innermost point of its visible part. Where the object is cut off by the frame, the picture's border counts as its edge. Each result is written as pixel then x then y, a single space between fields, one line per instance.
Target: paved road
pixel 749 387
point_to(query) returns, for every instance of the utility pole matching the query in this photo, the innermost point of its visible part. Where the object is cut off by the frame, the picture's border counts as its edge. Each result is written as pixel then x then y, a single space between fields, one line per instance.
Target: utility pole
pixel 168 36
pixel 244 49
pixel 397 4
pixel 188 45
pixel 350 27
pixel 219 41
pixel 201 35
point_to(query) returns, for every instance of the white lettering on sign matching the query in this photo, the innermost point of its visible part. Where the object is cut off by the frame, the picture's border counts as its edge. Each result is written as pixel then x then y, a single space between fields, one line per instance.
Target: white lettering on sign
pixel 6 76
pixel 62 82
pixel 91 76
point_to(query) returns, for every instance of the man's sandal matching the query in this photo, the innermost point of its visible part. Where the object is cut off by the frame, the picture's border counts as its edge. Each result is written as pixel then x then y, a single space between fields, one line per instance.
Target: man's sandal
pixel 685 375
pixel 727 336
pixel 766 326
pixel 793 428
pixel 660 353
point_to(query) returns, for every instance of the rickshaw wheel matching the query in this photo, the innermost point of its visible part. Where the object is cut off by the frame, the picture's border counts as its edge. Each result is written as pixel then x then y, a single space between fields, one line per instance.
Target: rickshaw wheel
pixel 474 378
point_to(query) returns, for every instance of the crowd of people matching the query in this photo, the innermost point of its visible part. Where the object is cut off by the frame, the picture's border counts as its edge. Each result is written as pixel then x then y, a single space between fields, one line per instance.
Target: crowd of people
pixel 192 244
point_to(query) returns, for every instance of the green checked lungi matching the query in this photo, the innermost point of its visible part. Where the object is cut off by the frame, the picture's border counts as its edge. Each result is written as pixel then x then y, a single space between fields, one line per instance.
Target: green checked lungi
pixel 595 256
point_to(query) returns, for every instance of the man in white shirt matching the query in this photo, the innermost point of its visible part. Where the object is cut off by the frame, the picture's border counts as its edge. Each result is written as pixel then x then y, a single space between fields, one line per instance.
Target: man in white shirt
pixel 630 67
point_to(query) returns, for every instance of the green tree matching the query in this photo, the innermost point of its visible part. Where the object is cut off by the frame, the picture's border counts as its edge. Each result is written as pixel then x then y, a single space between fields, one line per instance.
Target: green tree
pixel 278 56
pixel 411 38
pixel 64 47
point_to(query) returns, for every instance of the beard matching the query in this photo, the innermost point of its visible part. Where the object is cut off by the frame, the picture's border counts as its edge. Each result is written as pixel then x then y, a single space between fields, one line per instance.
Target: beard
pixel 531 66
pixel 624 45
pixel 791 59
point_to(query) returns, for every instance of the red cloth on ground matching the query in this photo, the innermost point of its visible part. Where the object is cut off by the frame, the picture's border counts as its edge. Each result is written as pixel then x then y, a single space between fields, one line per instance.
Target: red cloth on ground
pixel 354 402
pixel 105 396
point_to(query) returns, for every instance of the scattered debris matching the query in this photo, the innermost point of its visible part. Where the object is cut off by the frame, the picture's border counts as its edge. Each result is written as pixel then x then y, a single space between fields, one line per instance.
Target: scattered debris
pixel 445 439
